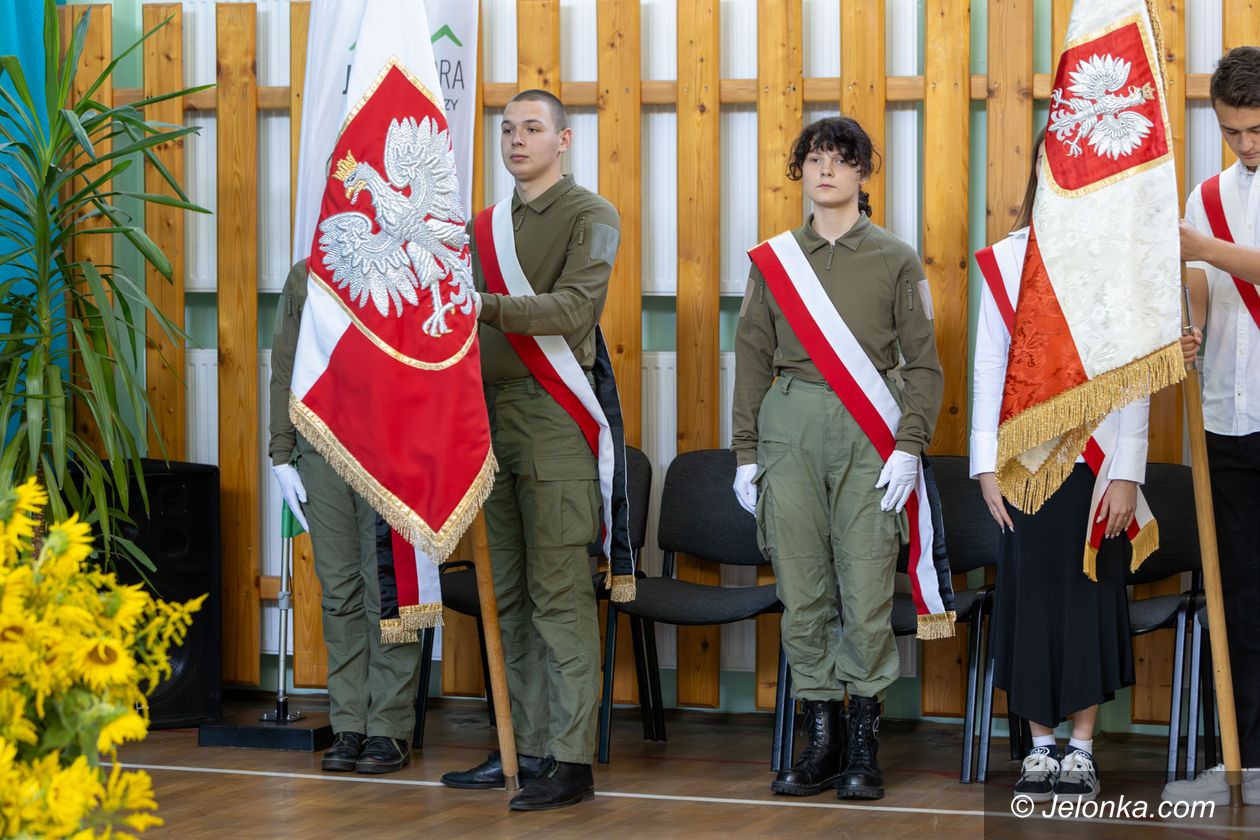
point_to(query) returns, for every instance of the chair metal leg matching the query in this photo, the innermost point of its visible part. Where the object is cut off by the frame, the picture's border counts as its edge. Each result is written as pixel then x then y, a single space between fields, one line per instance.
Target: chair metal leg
pixel 485 672
pixel 1210 757
pixel 646 712
pixel 653 672
pixel 422 690
pixel 1178 684
pixel 986 710
pixel 973 676
pixel 605 699
pixel 781 695
pixel 1192 713
pixel 789 725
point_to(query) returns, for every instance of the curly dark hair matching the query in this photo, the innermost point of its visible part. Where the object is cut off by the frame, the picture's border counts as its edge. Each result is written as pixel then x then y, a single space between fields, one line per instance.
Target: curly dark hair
pixel 1236 81
pixel 842 135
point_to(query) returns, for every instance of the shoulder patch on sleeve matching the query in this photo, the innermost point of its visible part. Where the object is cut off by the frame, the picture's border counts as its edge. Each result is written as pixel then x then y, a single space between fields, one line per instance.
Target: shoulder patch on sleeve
pixel 604 241
pixel 925 292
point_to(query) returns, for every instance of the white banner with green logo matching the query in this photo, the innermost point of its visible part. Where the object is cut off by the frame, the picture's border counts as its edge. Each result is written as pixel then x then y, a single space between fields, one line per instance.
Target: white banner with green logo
pixel 454 25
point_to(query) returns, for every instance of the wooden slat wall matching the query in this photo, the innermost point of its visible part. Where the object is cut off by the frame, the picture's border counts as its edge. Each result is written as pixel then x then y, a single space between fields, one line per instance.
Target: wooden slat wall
pixel 98 50
pixel 946 88
pixel 780 109
pixel 863 67
pixel 946 257
pixel 1240 25
pixel 238 339
pixel 699 264
pixel 164 358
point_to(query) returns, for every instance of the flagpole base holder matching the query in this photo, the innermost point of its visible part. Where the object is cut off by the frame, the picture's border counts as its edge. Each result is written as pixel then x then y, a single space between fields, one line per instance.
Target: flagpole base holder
pixel 512 783
pixel 307 732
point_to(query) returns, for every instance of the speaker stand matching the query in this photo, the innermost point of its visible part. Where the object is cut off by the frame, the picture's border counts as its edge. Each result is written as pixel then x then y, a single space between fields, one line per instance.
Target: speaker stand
pixel 280 728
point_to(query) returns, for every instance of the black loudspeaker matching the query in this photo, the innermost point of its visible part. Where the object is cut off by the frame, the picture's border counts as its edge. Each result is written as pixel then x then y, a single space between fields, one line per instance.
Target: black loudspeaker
pixel 180 534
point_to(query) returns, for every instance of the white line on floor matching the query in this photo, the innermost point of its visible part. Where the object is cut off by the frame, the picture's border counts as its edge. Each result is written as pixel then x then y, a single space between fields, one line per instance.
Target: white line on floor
pixel 709 800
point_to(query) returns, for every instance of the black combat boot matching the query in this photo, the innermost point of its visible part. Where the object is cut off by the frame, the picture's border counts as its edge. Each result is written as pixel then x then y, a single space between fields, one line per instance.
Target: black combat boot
pixel 862 778
pixel 819 763
pixel 343 753
pixel 489 773
pixel 383 755
pixel 568 784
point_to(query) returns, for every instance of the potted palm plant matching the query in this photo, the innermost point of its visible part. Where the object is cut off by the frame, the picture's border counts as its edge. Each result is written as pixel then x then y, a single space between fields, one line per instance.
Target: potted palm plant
pixel 71 330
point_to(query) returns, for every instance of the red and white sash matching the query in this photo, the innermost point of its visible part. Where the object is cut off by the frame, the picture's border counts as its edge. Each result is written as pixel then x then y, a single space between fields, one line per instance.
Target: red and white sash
pixel 1220 203
pixel 1001 266
pixel 849 371
pixel 549 358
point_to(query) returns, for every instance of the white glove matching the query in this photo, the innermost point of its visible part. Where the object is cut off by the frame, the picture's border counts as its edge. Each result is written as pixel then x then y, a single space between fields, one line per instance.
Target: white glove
pixel 745 490
pixel 292 489
pixel 900 473
pixel 476 304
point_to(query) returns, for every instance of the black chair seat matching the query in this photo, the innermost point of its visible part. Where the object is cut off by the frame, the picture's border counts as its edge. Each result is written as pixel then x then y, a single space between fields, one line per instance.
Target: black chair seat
pixel 905 621
pixel 1154 613
pixel 682 602
pixel 459 592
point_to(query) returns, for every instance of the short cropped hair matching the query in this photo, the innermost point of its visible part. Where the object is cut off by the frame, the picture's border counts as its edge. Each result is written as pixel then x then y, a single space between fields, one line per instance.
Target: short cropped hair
pixel 558 115
pixel 1236 81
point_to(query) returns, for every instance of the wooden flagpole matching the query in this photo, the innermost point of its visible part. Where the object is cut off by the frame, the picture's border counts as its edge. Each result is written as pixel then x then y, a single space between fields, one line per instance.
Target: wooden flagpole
pixel 494 654
pixel 1211 572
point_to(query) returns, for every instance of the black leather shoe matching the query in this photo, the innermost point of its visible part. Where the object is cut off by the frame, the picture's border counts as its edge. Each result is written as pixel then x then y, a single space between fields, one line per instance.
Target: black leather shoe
pixel 568 784
pixel 343 753
pixel 862 778
pixel 489 773
pixel 819 763
pixel 383 755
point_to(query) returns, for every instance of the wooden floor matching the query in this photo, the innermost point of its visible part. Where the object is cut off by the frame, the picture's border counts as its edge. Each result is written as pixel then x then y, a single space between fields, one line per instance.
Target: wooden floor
pixel 710 780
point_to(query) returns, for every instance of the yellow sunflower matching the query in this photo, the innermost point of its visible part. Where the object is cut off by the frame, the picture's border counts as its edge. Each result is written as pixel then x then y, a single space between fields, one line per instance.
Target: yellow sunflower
pixel 104 663
pixel 128 726
pixel 70 540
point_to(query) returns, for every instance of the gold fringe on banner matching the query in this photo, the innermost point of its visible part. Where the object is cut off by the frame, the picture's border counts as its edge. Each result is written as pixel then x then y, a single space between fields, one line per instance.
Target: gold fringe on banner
pixel 1073 416
pixel 936 625
pixel 411 620
pixel 623 587
pixel 437 544
pixel 1144 545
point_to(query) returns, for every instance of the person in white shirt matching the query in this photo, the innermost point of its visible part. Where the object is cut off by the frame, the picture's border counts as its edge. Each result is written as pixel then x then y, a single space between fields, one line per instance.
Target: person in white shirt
pixel 1220 242
pixel 1060 640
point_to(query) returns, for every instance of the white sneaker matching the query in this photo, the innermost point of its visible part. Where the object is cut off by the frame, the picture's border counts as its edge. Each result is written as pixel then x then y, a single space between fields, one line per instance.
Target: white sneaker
pixel 1078 777
pixel 1210 787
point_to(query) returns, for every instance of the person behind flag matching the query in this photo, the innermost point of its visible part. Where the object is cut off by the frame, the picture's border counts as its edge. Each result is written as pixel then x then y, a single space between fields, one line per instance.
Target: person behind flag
pixel 544 511
pixel 827 504
pixel 1061 640
pixel 1220 241
pixel 371 685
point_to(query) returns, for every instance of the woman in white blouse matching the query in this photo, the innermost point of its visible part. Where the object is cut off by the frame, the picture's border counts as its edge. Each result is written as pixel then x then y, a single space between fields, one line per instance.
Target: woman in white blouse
pixel 1061 640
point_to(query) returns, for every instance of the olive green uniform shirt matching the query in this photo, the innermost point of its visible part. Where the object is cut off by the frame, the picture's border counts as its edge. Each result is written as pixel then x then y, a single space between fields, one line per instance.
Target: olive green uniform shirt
pixel 566 240
pixel 872 278
pixel 283 347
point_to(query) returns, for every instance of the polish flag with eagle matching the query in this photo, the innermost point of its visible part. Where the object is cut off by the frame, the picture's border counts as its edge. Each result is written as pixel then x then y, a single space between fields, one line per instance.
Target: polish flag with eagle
pixel 1099 315
pixel 387 377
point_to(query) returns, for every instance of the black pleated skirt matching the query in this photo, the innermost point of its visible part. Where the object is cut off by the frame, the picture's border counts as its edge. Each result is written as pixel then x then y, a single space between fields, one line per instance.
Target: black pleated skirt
pixel 1061 641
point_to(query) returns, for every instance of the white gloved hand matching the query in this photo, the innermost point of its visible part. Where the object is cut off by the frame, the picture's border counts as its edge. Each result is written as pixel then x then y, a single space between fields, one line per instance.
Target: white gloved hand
pixel 745 490
pixel 900 473
pixel 476 304
pixel 292 490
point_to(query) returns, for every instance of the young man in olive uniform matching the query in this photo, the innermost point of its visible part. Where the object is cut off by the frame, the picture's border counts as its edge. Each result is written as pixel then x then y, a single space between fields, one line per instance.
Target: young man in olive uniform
pixel 544 511
pixel 371 686
pixel 809 471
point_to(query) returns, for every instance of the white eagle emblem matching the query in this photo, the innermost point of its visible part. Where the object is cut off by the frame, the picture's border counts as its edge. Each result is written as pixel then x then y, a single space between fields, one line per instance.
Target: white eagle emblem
pixel 417 245
pixel 1098 113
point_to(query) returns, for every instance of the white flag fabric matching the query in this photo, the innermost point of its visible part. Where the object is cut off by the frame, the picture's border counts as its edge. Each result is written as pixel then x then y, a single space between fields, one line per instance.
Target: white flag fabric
pixel 454 39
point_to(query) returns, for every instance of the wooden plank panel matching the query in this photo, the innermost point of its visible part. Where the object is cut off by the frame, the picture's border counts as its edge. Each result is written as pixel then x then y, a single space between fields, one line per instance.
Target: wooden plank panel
pixel 780 104
pixel 699 291
pixel 538 45
pixel 863 67
pixel 164 358
pixel 1153 653
pixel 310 655
pixel 97 52
pixel 620 109
pixel 946 257
pixel 1240 23
pixel 238 338
pixel 1010 110
pixel 1060 13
